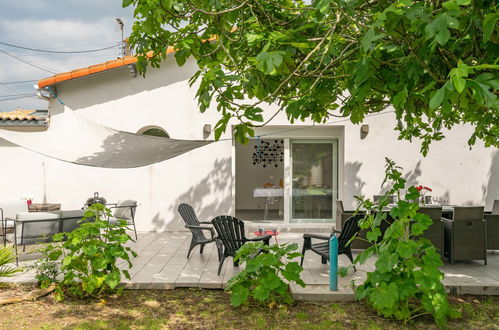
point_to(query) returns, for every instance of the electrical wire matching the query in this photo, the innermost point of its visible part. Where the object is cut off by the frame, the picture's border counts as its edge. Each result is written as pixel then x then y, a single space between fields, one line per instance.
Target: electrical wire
pixel 17 94
pixel 27 62
pixel 10 88
pixel 17 82
pixel 17 98
pixel 61 51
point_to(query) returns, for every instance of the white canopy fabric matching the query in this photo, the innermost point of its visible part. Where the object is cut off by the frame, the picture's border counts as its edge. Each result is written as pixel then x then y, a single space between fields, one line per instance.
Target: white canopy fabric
pixel 76 139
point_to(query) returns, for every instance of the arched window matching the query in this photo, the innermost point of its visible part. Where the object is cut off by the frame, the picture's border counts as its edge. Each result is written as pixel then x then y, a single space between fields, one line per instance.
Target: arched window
pixel 153 131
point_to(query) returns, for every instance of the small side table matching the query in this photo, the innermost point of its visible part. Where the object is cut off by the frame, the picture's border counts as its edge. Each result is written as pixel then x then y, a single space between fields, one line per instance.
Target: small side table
pixel 268 232
pixel 44 207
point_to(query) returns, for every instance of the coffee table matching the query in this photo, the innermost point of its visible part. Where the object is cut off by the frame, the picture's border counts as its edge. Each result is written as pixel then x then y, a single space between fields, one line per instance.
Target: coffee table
pixel 268 232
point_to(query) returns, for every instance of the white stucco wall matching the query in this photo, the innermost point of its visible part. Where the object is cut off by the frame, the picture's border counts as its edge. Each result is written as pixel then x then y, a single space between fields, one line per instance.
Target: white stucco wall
pixel 203 177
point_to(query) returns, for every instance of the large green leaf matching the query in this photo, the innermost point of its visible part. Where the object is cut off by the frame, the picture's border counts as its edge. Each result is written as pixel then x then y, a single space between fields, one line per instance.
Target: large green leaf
pixel 489 25
pixel 239 294
pixel 271 281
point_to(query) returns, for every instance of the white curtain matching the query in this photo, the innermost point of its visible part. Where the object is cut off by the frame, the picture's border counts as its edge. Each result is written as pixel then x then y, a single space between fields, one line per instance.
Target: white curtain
pixel 75 139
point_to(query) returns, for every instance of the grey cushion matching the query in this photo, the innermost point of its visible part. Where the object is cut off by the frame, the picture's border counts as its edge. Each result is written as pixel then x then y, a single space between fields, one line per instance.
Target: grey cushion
pixel 30 216
pixel 124 209
pixel 72 214
pixel 115 220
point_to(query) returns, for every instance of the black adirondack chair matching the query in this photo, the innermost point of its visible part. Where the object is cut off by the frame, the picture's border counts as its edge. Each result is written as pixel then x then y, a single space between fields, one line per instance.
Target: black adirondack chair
pixel 230 232
pixel 194 225
pixel 349 230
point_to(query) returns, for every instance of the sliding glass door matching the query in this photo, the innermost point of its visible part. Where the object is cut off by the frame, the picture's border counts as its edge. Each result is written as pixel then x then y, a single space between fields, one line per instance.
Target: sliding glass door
pixel 314 180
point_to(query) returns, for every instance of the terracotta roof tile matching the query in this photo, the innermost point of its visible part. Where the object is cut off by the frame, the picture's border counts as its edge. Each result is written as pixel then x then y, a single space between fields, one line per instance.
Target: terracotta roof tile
pixel 18 114
pixel 78 73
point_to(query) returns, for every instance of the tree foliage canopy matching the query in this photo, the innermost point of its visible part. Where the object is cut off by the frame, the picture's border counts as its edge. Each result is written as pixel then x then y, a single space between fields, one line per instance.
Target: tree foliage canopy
pixel 435 62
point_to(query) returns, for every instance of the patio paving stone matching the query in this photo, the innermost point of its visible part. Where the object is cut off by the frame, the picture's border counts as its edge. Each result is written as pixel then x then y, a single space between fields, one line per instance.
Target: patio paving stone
pixel 162 264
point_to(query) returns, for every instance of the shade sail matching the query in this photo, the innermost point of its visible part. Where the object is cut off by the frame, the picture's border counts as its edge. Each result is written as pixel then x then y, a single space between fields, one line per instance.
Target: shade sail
pixel 78 140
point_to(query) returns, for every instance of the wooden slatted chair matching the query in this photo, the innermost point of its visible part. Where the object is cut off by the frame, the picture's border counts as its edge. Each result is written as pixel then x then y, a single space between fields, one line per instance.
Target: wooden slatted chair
pixel 194 225
pixel 350 229
pixel 230 232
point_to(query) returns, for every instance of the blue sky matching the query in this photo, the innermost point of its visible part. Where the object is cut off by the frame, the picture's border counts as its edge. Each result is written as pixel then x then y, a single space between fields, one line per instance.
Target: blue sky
pixel 63 25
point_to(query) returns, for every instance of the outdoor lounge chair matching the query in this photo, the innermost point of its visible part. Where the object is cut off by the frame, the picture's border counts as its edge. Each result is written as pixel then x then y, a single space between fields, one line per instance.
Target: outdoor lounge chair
pixel 492 220
pixel 8 211
pixel 350 229
pixel 194 225
pixel 230 232
pixel 465 236
pixel 32 228
pixel 124 210
pixel 435 233
pixel 495 207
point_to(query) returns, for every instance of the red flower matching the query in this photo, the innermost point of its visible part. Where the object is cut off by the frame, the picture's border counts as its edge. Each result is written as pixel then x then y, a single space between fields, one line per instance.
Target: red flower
pixel 420 187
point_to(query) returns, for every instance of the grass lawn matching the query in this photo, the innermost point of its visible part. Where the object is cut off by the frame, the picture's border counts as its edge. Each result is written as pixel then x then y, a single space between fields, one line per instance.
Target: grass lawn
pixel 210 309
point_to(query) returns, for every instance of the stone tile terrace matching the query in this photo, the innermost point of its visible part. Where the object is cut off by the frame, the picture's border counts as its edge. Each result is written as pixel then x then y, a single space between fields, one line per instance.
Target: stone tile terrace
pixel 162 264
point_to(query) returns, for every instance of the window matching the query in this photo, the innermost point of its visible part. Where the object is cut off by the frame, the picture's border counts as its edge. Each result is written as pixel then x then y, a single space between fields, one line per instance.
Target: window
pixel 153 131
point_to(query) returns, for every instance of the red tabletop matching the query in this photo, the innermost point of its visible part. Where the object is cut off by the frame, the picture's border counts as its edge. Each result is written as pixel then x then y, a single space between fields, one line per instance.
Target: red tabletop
pixel 266 232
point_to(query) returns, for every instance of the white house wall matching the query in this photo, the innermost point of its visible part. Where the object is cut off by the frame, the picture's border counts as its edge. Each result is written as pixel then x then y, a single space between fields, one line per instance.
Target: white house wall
pixel 204 177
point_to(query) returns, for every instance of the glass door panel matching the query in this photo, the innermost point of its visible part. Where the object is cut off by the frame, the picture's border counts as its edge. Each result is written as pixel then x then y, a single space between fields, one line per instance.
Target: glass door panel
pixel 314 180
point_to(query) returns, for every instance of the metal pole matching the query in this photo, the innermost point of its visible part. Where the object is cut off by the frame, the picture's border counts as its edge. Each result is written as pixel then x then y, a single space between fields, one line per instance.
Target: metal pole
pixel 333 263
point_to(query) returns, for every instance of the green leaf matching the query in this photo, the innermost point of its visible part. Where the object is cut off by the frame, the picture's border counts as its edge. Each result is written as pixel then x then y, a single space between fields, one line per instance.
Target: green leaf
pixel 269 62
pixel 386 262
pixel 126 3
pixel 238 295
pixel 271 281
pixel 323 6
pixel 373 235
pixel 260 293
pixel 459 83
pixel 99 263
pixel 254 114
pixel 384 296
pixel 437 98
pixel 368 39
pixel 489 24
pixel 400 98
pixel 113 279
pixel 252 266
pixel 251 37
pixel 90 250
pixel 406 249
pixel 488 79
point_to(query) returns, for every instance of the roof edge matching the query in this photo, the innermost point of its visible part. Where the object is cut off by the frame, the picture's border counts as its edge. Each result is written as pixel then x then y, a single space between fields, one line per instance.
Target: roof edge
pixel 93 69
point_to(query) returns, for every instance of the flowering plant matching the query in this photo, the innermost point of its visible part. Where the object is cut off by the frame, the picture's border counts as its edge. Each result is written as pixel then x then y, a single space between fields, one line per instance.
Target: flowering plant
pixel 420 188
pixel 422 192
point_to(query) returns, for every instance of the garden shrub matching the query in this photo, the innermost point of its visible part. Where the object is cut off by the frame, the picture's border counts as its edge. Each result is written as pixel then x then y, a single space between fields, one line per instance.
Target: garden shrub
pixel 6 257
pixel 90 255
pixel 406 282
pixel 264 274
